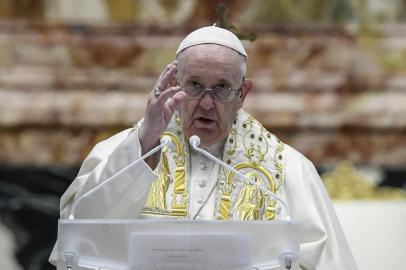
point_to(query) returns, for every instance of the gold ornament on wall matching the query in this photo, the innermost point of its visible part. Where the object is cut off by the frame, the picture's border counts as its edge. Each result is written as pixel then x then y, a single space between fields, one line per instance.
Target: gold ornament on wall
pixel 344 182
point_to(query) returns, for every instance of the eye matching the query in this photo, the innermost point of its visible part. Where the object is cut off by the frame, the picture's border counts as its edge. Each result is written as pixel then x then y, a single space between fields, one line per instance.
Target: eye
pixel 222 85
pixel 193 88
pixel 221 89
pixel 194 84
pixel 222 93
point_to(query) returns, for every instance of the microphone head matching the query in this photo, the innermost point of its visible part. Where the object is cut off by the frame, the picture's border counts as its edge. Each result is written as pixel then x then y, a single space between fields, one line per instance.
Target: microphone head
pixel 165 139
pixel 194 141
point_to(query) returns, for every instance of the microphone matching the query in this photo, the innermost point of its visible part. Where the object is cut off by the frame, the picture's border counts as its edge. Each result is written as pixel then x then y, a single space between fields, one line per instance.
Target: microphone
pixel 195 142
pixel 164 141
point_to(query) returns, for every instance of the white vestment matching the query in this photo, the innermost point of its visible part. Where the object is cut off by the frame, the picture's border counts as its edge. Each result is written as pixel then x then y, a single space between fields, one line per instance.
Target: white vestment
pixel 323 244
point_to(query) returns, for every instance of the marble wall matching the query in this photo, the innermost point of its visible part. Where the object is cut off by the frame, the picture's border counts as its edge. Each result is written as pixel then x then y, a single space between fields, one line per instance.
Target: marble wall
pixel 75 72
pixel 325 91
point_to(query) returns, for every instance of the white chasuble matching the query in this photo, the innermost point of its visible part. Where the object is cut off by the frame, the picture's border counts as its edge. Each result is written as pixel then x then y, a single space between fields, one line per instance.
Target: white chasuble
pixel 186 185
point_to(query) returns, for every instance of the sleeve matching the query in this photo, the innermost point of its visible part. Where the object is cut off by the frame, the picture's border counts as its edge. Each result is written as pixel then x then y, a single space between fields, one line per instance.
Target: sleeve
pixel 323 244
pixel 122 197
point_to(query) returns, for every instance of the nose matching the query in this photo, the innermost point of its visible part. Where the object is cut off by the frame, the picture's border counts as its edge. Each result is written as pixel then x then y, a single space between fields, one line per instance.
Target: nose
pixel 207 101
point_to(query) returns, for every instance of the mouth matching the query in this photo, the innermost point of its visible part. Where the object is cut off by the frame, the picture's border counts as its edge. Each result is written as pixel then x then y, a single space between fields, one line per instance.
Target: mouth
pixel 204 122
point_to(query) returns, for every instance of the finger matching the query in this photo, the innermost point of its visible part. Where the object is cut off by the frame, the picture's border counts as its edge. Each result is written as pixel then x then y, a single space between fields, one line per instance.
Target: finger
pixel 156 105
pixel 167 78
pixel 179 96
pixel 172 104
pixel 167 67
pixel 173 82
pixel 165 95
pixel 169 109
pixel 169 75
pixel 162 82
pixel 173 63
pixel 167 114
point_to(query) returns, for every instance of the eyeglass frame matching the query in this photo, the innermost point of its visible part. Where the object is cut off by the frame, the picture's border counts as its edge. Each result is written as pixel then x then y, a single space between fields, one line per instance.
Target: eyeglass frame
pixel 206 89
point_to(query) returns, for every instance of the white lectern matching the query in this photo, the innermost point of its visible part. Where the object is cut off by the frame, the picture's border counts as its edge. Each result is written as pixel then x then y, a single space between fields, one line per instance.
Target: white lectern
pixel 173 244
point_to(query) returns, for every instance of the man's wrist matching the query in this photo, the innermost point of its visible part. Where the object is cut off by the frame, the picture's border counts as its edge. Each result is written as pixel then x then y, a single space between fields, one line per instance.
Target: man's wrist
pixel 147 142
pixel 146 145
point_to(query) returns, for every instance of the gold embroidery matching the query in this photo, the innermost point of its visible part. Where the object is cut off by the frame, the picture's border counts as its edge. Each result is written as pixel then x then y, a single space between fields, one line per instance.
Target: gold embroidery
pixel 270 209
pixel 156 200
pixel 256 142
pixel 227 189
pixel 233 142
pixel 250 200
pixel 247 147
pixel 278 157
pixel 254 166
pixel 178 202
pixel 224 206
pixel 225 200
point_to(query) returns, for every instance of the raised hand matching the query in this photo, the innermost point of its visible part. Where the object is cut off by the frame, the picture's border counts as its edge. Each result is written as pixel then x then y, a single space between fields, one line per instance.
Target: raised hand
pixel 162 103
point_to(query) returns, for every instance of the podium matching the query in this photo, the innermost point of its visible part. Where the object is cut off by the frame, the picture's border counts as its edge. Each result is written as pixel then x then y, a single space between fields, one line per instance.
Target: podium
pixel 123 244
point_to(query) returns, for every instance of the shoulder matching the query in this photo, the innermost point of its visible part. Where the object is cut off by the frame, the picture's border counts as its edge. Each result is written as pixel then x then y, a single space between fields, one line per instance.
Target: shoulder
pixel 294 157
pixel 107 146
pixel 103 149
pixel 300 172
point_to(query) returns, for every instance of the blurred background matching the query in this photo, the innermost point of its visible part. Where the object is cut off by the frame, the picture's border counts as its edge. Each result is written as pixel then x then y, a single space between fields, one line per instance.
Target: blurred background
pixel 330 80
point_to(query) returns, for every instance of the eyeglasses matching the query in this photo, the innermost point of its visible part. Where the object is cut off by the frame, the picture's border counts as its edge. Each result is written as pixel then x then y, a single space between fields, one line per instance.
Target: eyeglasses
pixel 195 90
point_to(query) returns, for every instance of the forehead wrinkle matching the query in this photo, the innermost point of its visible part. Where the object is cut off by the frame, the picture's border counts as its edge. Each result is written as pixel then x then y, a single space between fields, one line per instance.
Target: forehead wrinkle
pixel 210 54
pixel 228 78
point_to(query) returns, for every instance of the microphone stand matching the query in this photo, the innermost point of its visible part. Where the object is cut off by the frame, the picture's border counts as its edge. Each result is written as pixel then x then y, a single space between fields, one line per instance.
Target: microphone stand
pixel 164 141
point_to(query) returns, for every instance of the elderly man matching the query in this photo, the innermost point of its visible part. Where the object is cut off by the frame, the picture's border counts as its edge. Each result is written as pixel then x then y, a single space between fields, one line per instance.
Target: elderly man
pixel 202 93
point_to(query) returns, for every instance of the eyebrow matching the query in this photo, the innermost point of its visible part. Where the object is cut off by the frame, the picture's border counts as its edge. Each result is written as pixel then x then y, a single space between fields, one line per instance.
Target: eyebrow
pixel 197 78
pixel 224 81
pixel 194 77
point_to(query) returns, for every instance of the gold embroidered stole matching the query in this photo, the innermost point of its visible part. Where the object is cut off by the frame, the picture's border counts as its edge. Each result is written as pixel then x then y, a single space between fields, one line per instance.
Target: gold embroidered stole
pixel 249 148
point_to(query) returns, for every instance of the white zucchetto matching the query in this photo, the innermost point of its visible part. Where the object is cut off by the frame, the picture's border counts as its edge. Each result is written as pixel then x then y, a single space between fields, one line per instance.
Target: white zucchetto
pixel 212 35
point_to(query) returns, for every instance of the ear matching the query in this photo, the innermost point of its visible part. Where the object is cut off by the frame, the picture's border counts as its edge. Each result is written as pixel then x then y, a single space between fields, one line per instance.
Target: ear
pixel 247 86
